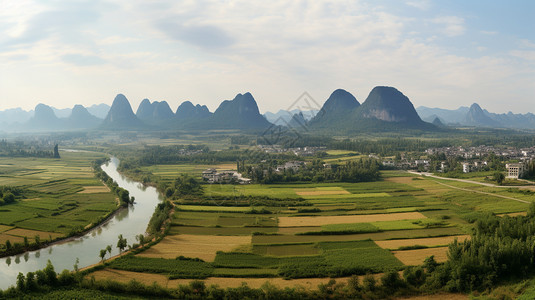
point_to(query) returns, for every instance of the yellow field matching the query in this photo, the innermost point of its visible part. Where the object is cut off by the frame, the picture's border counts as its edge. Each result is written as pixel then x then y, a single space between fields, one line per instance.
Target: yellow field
pixel 204 247
pixel 438 241
pixel 94 189
pixel 43 235
pixel 417 257
pixel 404 180
pixel 224 282
pixel 5 228
pixel 326 220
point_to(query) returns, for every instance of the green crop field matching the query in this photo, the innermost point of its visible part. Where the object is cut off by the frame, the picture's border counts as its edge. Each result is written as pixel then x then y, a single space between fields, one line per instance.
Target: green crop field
pixel 52 202
pixel 212 208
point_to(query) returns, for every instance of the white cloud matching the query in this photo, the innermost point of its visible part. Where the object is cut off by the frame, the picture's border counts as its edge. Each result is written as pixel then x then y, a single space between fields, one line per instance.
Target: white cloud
pixel 420 4
pixel 489 32
pixel 453 25
pixel 526 43
pixel 526 55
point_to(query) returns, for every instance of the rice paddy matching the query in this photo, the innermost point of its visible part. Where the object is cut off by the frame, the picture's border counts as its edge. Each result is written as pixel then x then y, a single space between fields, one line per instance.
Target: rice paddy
pixel 344 229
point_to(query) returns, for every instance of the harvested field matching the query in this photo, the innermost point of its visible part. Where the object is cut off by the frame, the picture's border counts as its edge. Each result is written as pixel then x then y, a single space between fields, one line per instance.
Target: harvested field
pixel 417 257
pixel 404 180
pixel 5 228
pixel 223 282
pixel 325 220
pixel 308 283
pixel 43 235
pixel 201 246
pixel 94 189
pixel 126 276
pixel 436 241
pixel 13 239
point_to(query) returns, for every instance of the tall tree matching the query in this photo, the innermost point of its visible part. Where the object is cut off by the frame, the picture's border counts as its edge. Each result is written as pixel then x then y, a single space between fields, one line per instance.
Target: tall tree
pixel 56 151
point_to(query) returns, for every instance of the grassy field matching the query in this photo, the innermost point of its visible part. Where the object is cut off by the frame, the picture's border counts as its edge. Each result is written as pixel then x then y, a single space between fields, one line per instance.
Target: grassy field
pixel 62 196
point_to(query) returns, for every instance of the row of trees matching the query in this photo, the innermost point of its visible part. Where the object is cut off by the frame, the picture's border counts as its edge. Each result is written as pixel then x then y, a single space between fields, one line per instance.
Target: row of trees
pixel 454 163
pixel 122 243
pixel 391 284
pixel 9 248
pixel 123 194
pixel 28 149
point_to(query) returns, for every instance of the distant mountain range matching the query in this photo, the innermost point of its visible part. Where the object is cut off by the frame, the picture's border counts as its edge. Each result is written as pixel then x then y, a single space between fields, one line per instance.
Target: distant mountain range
pixel 283 117
pixel 477 117
pixel 385 109
pixel 42 119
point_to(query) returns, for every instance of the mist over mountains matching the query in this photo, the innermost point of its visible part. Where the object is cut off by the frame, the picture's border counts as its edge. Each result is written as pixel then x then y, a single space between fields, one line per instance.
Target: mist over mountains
pixel 385 109
pixel 476 116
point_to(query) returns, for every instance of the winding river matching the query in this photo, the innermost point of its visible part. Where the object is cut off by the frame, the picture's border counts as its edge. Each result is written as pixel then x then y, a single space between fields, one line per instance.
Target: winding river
pixel 128 222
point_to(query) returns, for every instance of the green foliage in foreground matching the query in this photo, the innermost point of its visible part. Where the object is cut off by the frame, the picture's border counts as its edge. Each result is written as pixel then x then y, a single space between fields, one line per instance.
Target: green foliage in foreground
pixel 501 248
pixel 46 284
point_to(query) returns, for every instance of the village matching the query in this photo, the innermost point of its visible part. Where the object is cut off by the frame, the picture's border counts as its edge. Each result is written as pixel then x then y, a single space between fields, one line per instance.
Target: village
pixel 470 159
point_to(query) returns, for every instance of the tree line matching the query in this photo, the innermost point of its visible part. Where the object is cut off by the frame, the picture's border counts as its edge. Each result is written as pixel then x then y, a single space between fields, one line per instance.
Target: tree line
pixel 21 149
pixel 123 194
pixel 361 170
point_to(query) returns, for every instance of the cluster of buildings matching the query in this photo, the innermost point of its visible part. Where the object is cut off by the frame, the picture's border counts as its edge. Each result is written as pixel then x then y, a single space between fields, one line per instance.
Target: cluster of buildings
pixel 291 165
pixel 473 160
pixel 299 151
pixel 480 151
pixel 514 170
pixel 213 176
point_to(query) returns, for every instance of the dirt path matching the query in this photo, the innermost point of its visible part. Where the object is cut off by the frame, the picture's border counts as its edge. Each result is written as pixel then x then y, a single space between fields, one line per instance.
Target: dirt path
pixel 473 182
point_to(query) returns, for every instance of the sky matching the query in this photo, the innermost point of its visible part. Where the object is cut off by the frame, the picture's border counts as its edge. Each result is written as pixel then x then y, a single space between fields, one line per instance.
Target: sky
pixel 438 53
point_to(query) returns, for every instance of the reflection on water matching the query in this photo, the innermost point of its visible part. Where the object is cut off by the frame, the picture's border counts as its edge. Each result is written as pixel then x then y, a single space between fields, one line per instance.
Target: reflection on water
pixel 128 222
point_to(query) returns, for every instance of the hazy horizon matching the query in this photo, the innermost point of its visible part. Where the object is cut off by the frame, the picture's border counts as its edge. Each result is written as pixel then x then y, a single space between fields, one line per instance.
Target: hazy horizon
pixel 439 54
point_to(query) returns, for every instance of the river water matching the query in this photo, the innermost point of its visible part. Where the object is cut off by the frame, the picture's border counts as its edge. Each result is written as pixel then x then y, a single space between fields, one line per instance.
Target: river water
pixel 128 222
